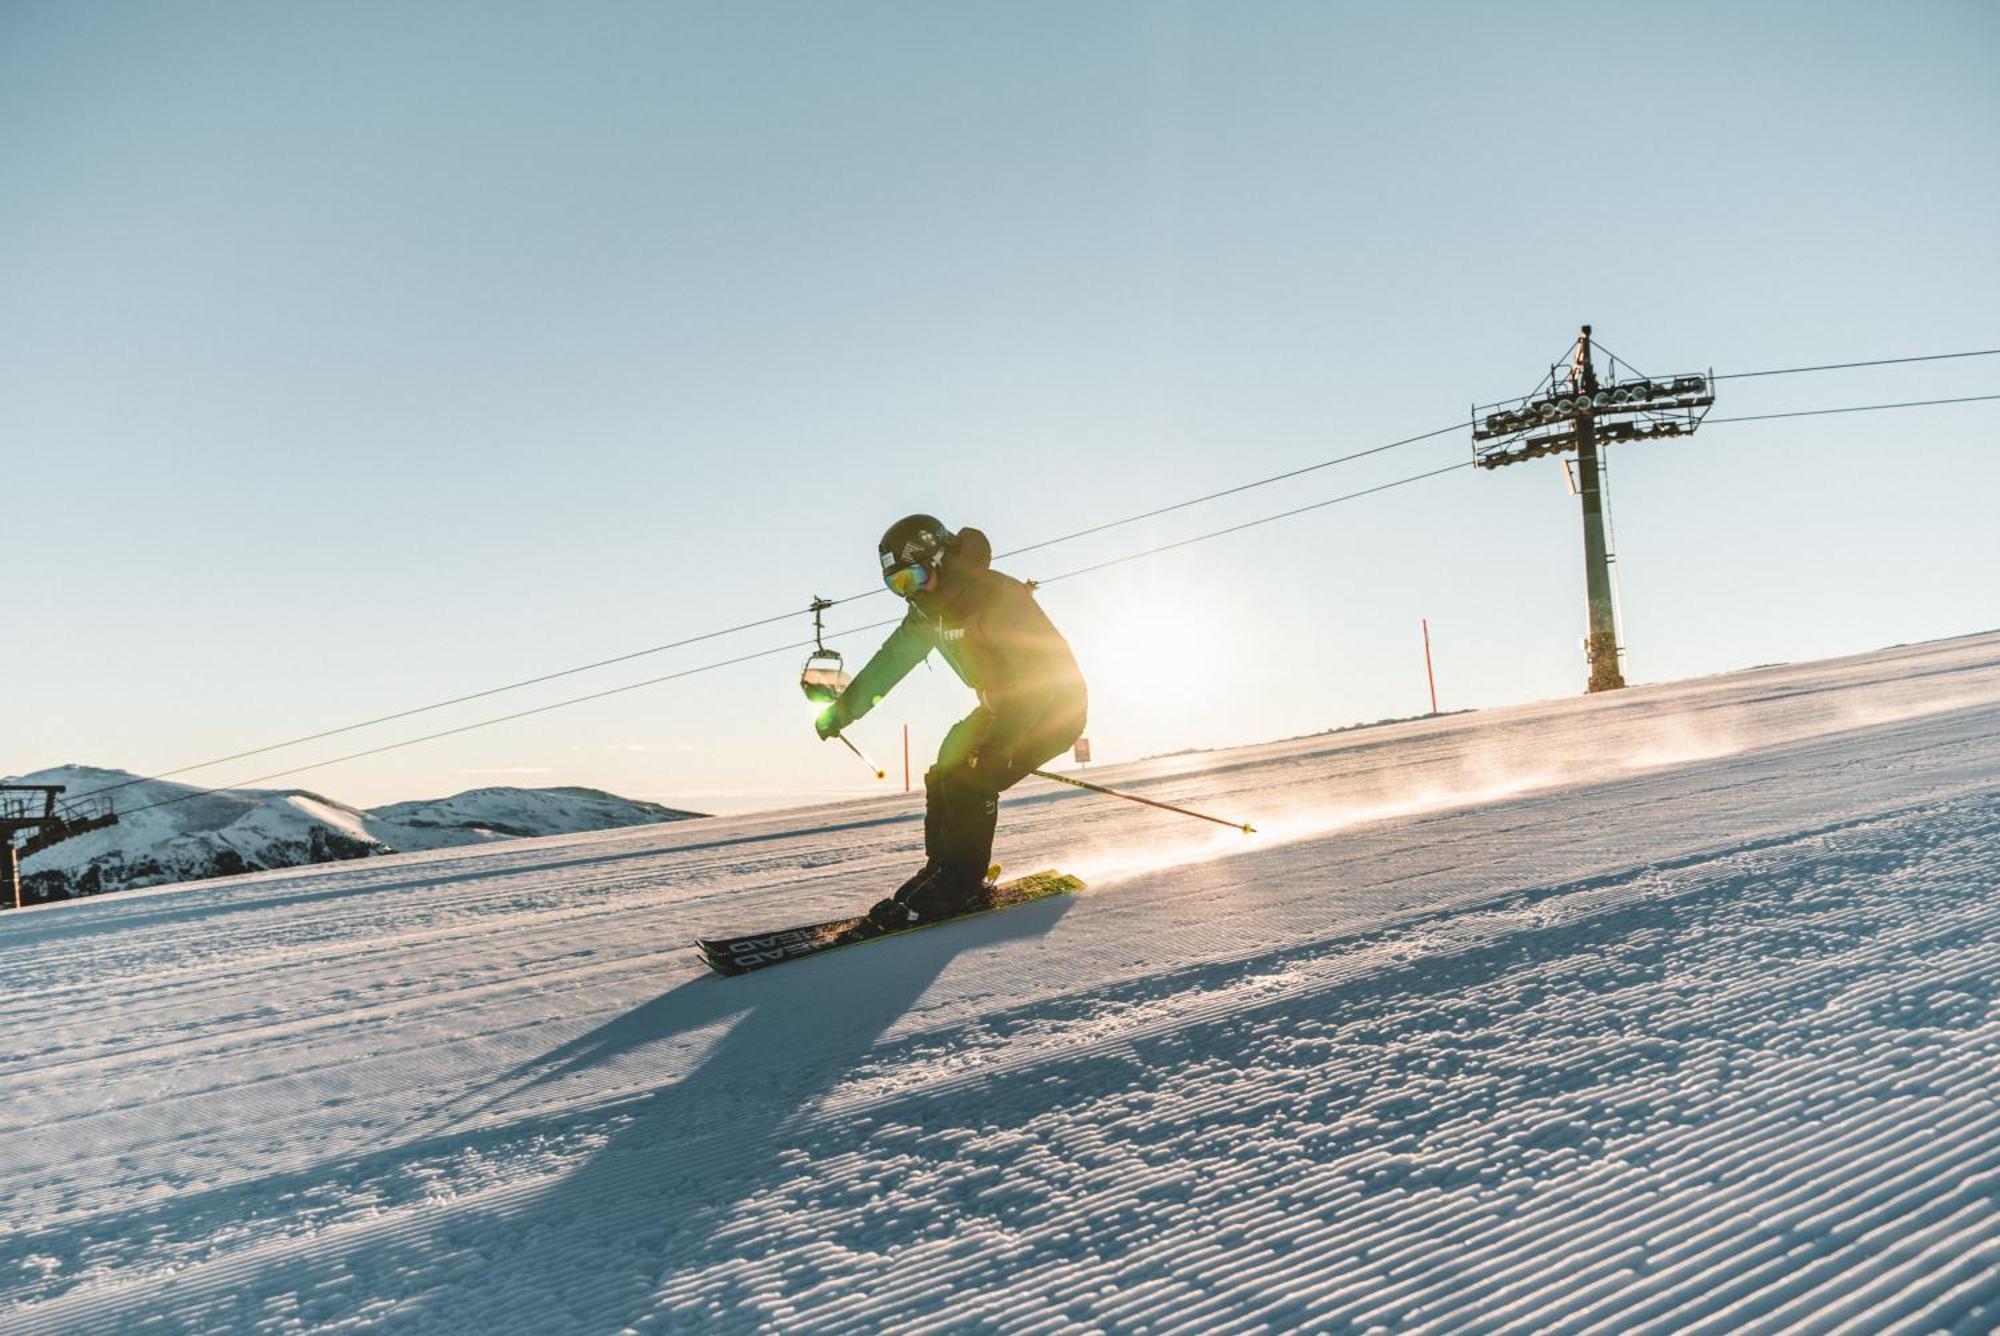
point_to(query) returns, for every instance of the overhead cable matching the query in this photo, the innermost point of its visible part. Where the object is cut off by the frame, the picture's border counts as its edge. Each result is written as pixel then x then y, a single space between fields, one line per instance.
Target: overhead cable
pixel 787 648
pixel 1251 524
pixel 443 704
pixel 498 719
pixel 1051 542
pixel 764 621
pixel 1232 491
pixel 1848 366
pixel 1856 408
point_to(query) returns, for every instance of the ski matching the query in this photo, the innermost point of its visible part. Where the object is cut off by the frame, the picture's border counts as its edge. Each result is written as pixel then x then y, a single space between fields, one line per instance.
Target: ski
pixel 755 951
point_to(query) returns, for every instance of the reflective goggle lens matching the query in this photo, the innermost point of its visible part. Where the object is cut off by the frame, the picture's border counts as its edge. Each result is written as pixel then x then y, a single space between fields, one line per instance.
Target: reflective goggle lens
pixel 906 580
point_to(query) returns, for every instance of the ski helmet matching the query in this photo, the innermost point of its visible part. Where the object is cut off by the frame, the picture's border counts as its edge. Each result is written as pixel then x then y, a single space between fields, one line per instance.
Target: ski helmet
pixel 914 540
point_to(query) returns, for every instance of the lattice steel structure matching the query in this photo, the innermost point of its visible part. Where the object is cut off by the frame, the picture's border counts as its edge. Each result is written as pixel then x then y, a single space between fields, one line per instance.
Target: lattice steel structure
pixel 1574 409
pixel 46 822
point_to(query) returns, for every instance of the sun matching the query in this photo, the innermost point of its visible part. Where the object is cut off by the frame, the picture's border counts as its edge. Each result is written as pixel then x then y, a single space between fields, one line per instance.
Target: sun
pixel 1150 657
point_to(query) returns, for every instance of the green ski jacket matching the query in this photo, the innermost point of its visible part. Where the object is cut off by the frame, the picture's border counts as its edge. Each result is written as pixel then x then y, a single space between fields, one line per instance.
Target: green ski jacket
pixel 990 630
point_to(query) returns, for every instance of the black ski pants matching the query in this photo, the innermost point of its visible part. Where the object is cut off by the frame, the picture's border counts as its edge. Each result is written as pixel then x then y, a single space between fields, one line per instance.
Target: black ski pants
pixel 962 791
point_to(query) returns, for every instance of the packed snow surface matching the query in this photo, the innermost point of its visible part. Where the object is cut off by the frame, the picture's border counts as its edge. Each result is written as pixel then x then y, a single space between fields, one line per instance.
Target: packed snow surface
pixel 1667 1011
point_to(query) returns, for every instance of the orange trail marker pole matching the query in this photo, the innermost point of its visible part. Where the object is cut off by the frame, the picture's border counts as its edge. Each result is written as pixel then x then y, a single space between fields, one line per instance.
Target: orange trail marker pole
pixel 1427 666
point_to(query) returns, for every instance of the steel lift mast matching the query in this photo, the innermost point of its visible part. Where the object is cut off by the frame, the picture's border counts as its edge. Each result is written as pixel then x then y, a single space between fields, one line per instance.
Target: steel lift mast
pixel 46 823
pixel 1573 409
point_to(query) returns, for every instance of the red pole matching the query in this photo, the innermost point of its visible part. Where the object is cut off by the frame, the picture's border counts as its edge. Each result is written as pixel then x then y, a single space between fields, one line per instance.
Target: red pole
pixel 906 758
pixel 1428 674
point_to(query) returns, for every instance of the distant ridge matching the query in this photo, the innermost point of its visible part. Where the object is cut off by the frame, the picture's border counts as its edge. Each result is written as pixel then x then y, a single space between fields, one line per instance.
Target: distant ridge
pixel 252 830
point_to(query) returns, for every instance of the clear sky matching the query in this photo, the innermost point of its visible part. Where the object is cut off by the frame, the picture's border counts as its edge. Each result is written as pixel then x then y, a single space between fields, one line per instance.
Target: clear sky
pixel 359 356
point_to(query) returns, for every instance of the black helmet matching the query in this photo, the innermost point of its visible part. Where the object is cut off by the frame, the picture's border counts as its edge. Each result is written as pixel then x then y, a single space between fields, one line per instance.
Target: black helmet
pixel 914 540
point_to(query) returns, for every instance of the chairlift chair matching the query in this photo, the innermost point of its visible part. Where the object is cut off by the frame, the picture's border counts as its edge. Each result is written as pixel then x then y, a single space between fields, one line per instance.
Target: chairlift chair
pixel 824 677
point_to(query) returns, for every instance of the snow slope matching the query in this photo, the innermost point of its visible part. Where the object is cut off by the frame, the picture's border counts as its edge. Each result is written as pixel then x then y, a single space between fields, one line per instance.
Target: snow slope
pixel 1666 1011
pixel 178 832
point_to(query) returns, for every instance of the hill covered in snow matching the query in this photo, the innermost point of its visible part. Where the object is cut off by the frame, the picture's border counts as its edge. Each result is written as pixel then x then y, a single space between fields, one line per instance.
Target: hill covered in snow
pixel 510 813
pixel 170 832
pixel 1666 1011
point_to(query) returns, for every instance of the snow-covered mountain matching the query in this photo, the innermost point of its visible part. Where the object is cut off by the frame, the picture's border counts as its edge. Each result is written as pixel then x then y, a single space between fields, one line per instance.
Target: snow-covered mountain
pixel 170 832
pixel 508 813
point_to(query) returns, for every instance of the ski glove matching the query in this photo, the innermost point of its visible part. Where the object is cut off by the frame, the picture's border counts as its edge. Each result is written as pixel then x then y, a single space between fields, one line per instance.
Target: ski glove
pixel 829 722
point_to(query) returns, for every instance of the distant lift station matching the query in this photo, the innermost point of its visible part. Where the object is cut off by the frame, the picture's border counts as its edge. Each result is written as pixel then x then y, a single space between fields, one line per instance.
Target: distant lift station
pixel 46 822
pixel 1572 409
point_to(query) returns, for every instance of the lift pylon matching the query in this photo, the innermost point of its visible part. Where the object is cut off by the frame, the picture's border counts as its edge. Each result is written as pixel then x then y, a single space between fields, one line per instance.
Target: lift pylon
pixel 46 822
pixel 1574 409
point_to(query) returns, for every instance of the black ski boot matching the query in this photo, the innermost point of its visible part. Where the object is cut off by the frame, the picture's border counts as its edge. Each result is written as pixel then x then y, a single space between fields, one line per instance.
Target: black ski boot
pixel 887 915
pixel 933 893
pixel 893 912
pixel 943 894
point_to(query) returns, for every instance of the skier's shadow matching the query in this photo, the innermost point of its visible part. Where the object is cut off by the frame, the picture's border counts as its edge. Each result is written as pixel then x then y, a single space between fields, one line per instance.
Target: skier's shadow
pixel 587 1254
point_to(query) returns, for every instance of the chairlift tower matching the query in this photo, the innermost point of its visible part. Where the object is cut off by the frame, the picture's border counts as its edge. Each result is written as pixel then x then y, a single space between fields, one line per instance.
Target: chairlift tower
pixel 1572 409
pixel 47 822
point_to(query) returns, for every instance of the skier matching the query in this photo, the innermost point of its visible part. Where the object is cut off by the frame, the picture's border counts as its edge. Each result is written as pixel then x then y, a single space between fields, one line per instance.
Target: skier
pixel 998 640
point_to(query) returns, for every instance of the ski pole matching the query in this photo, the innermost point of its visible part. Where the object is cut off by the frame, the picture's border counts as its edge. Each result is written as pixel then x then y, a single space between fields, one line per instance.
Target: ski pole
pixel 1243 826
pixel 880 773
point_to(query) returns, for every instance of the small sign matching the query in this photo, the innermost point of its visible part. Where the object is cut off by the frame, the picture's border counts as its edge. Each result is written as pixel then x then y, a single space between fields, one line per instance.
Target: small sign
pixel 1083 751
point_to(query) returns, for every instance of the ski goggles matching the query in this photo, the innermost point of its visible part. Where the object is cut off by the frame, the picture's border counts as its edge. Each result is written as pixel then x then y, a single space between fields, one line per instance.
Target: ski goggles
pixel 904 581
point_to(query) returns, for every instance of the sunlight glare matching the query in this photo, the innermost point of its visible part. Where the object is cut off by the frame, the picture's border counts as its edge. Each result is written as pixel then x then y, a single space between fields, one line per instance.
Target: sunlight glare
pixel 1152 657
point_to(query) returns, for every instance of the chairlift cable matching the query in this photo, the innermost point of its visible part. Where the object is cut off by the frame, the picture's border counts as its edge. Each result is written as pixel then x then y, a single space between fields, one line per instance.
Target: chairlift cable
pixel 1251 524
pixel 443 704
pixel 1846 366
pixel 1231 491
pixel 746 626
pixel 1855 408
pixel 505 718
pixel 783 649
pixel 1050 542
pixel 871 626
